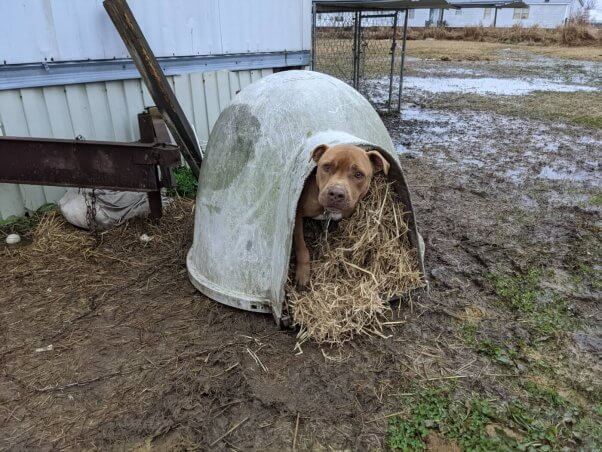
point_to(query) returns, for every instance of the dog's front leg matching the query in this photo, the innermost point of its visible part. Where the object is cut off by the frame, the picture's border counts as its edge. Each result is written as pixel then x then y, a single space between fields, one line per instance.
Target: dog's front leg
pixel 301 253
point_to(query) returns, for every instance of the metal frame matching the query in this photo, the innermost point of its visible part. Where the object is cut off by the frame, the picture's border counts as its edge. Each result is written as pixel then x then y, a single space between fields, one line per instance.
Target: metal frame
pixel 94 164
pixel 403 57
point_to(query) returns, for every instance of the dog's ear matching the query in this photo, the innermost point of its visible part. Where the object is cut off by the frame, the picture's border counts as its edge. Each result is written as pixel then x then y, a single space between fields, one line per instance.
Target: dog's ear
pixel 318 152
pixel 379 163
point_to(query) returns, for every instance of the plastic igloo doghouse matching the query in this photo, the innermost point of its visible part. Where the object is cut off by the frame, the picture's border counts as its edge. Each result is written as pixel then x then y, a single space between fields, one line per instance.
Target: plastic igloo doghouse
pixel 256 163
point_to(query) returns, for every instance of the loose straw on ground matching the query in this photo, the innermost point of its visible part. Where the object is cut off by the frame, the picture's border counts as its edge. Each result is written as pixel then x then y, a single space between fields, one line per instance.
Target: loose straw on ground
pixel 355 270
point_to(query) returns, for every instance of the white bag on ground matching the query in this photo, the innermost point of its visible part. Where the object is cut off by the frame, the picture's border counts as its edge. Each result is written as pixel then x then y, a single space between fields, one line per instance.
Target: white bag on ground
pixel 107 208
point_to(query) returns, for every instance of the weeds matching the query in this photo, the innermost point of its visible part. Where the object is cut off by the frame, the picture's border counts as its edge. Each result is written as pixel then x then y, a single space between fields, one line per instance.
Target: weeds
pixel 434 411
pixel 25 223
pixel 544 314
pixel 571 34
pixel 186 183
pixel 545 422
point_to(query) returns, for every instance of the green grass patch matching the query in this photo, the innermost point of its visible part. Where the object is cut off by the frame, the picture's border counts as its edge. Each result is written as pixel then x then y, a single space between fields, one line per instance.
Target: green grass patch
pixel 595 122
pixel 539 394
pixel 545 422
pixel 545 314
pixel 502 354
pixel 434 411
pixel 25 223
pixel 596 200
pixel 186 183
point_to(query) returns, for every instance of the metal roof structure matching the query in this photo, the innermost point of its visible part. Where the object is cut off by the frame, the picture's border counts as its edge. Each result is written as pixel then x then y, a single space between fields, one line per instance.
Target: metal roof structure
pixel 499 4
pixel 332 6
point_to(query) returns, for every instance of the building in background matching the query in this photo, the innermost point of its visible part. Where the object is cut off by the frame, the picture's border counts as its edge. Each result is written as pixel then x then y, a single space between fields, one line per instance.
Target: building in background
pixel 541 13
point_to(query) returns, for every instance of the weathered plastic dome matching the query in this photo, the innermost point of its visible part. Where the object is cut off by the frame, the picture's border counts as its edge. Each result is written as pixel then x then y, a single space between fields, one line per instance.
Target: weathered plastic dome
pixel 255 166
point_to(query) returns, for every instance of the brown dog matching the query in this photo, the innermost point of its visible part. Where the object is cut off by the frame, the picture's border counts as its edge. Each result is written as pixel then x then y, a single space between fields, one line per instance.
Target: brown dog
pixel 341 179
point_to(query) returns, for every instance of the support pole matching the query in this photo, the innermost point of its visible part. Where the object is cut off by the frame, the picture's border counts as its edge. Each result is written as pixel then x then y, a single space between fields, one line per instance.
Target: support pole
pixel 356 49
pixel 393 48
pixel 403 56
pixel 313 37
pixel 494 17
pixel 156 82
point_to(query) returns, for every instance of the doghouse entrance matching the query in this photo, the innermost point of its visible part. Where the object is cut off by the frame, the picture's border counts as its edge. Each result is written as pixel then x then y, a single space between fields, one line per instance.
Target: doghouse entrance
pixel 364 48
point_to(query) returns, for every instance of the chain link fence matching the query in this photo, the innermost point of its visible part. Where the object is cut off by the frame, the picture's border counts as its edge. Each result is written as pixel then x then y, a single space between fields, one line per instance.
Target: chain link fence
pixel 364 49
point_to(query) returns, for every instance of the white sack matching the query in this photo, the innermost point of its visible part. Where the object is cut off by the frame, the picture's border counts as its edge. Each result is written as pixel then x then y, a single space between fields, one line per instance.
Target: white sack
pixel 111 207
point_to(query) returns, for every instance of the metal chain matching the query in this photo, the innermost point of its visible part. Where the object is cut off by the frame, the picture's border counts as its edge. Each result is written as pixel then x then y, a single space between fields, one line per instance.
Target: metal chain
pixel 90 199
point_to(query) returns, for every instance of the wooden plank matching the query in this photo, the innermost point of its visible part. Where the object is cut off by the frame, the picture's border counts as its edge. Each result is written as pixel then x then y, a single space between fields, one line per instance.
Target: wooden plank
pixel 122 17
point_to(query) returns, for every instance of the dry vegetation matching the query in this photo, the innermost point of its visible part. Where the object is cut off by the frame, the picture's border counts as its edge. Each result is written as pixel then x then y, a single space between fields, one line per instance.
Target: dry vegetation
pixel 365 261
pixel 572 34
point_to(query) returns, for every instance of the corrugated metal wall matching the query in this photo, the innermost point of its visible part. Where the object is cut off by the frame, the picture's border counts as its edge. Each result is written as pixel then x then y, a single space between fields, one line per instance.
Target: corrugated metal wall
pixel 34 31
pixel 104 111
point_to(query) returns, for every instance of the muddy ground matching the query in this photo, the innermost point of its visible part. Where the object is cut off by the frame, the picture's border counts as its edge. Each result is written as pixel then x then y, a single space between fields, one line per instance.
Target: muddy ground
pixel 105 343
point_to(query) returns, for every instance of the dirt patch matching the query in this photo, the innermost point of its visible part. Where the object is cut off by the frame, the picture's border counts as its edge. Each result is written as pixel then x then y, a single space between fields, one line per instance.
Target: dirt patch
pixel 105 343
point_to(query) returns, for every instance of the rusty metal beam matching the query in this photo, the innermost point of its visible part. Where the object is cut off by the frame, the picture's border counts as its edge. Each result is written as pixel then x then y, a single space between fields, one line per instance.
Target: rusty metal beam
pixel 155 81
pixel 78 163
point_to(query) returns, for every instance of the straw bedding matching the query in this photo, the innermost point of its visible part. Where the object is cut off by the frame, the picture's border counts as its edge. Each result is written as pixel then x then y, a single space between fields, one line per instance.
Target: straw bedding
pixel 355 270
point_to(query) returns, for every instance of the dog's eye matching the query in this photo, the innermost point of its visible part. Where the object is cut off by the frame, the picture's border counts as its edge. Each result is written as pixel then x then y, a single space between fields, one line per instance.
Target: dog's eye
pixel 359 174
pixel 326 168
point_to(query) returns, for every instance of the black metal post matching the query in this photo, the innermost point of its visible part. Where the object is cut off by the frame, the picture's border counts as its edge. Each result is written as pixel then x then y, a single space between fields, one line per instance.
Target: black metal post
pixel 313 37
pixel 356 49
pixel 403 56
pixel 393 48
pixel 495 18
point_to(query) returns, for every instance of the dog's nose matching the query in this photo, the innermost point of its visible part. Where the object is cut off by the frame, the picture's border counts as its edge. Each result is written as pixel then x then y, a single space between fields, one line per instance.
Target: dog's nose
pixel 336 194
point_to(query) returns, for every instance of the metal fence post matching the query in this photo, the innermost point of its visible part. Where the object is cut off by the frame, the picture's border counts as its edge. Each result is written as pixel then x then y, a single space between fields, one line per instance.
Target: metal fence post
pixel 393 48
pixel 313 37
pixel 403 56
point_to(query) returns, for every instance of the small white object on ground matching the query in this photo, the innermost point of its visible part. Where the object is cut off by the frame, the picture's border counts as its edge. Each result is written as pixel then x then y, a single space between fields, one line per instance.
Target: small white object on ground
pixel 145 238
pixel 13 239
pixel 48 348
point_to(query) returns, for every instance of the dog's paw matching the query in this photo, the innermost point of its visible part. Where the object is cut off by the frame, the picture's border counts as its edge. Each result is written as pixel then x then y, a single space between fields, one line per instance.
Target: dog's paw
pixel 302 277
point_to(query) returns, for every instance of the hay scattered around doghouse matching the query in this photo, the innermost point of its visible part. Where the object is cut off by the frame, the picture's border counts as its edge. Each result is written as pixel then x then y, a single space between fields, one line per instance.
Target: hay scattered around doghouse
pixel 355 270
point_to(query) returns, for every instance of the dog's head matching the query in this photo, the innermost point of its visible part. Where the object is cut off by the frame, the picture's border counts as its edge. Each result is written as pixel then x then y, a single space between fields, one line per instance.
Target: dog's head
pixel 343 175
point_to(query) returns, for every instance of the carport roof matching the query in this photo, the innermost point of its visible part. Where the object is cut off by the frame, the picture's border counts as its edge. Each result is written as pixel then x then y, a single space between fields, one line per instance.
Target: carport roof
pixel 489 4
pixel 325 6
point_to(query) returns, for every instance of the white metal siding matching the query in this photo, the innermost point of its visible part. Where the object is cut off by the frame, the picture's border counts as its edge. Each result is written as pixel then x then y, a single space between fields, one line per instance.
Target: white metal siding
pixel 542 15
pixel 468 16
pixel 70 30
pixel 104 111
